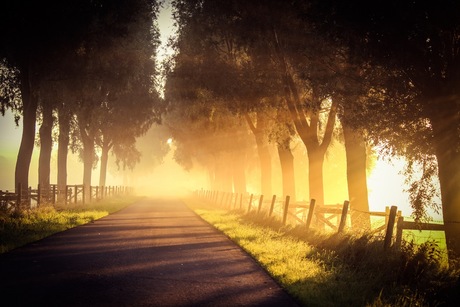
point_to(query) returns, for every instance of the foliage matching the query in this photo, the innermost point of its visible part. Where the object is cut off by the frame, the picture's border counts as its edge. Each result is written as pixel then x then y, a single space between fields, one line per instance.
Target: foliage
pixel 10 95
pixel 95 59
pixel 413 108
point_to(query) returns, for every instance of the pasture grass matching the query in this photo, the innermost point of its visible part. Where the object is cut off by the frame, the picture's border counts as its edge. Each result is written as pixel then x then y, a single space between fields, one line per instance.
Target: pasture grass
pixel 320 269
pixel 20 228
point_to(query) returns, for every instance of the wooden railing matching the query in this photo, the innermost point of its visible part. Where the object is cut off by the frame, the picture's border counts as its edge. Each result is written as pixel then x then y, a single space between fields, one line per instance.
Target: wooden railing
pixel 27 198
pixel 303 213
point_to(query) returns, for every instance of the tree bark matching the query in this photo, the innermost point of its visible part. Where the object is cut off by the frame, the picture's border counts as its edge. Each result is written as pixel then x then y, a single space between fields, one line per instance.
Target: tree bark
pixel 307 129
pixel 315 174
pixel 88 159
pixel 63 149
pixel 355 150
pixel 449 179
pixel 46 146
pixel 316 149
pixel 29 112
pixel 287 169
pixel 88 155
pixel 447 146
pixel 104 161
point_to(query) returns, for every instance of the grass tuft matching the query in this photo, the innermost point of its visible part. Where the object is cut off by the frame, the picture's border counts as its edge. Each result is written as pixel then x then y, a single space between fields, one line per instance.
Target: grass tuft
pixel 320 269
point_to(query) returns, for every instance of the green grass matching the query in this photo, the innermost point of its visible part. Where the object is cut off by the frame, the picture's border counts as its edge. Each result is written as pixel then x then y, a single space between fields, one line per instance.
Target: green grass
pixel 321 269
pixel 20 228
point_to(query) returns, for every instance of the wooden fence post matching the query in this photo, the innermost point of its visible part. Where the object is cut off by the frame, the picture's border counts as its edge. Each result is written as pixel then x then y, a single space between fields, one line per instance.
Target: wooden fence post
pixel 39 194
pixel 286 207
pixel 76 194
pixel 261 199
pixel 54 194
pixel 241 201
pixel 343 218
pixel 250 203
pixel 66 194
pixel 19 196
pixel 399 231
pixel 83 193
pixel 310 212
pixel 390 226
pixel 272 206
pixel 387 214
pixel 29 196
pixel 236 200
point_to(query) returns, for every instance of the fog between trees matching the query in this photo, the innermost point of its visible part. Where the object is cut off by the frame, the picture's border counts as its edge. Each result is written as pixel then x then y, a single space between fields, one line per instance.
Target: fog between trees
pixel 249 83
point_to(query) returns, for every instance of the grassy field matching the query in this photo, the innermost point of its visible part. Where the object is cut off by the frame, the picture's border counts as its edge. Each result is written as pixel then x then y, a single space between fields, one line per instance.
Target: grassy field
pixel 24 227
pixel 339 270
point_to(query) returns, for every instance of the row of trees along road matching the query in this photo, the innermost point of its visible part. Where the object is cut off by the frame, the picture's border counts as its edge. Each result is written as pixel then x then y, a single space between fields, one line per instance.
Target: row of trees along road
pixel 87 65
pixel 387 70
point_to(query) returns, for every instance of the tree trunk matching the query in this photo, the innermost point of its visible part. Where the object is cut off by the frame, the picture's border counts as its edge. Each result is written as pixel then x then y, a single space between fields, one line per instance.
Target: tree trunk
pixel 104 160
pixel 46 146
pixel 29 112
pixel 265 166
pixel 355 149
pixel 287 169
pixel 315 175
pixel 447 146
pixel 88 155
pixel 449 179
pixel 307 129
pixel 88 159
pixel 63 149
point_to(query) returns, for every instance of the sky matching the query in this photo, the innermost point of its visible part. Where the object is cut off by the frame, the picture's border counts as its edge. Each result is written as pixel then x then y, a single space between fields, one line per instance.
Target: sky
pixel 385 182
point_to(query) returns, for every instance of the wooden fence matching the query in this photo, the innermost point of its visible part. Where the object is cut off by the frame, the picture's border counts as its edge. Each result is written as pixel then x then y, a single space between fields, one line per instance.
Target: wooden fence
pixel 28 198
pixel 303 213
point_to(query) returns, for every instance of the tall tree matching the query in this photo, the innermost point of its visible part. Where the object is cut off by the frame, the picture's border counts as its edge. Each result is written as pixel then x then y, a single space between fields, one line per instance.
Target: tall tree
pixel 66 123
pixel 211 32
pixel 46 146
pixel 118 71
pixel 418 43
pixel 272 23
pixel 36 33
pixel 51 33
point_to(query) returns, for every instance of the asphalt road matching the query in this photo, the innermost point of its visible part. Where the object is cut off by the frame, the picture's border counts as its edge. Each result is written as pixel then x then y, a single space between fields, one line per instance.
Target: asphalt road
pixel 153 253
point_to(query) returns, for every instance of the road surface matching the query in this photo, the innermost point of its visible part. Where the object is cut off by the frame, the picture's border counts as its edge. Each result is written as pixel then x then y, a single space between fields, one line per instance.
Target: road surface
pixel 153 253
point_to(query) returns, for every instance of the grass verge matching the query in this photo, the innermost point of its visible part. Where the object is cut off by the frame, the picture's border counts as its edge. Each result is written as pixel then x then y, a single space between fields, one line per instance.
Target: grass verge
pixel 20 228
pixel 339 270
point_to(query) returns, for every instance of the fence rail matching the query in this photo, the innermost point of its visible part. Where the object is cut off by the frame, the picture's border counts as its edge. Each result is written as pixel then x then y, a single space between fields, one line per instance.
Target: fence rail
pixel 28 198
pixel 309 214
